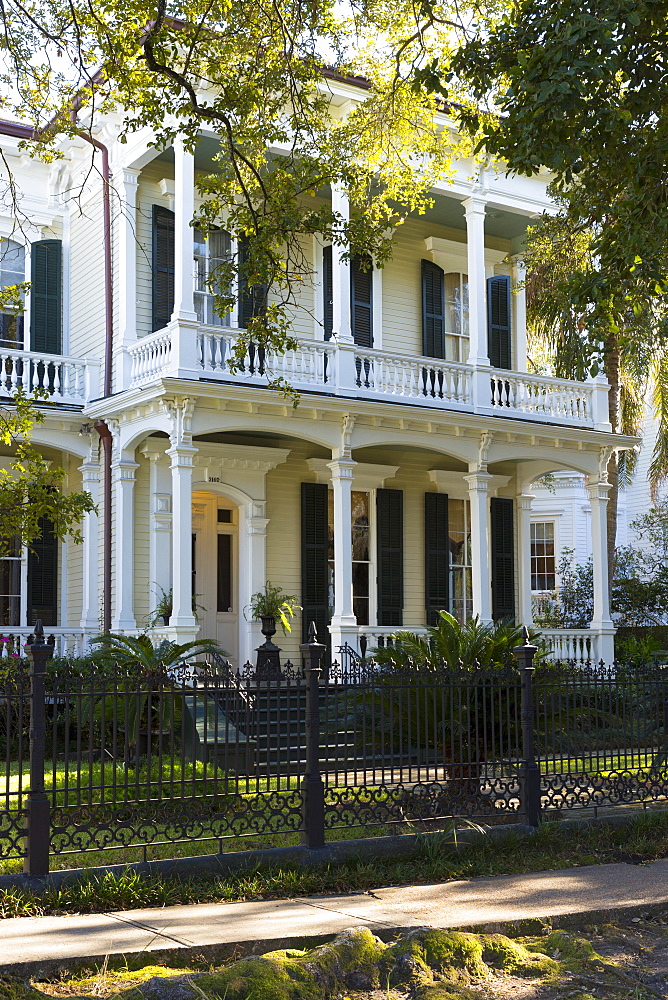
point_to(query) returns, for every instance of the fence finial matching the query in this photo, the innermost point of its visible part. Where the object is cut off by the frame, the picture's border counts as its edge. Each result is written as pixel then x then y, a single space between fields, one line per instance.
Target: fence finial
pixel 312 633
pixel 525 635
pixel 39 633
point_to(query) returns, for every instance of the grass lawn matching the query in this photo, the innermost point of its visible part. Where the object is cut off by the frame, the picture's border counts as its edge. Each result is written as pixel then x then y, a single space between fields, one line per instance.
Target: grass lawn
pixel 642 840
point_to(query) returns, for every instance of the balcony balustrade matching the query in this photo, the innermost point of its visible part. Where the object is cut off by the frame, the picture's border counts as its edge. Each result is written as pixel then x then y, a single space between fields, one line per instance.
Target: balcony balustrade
pixel 71 381
pixel 347 370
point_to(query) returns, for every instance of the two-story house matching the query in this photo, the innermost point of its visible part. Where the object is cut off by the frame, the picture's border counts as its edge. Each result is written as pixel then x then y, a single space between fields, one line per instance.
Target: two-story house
pixel 399 484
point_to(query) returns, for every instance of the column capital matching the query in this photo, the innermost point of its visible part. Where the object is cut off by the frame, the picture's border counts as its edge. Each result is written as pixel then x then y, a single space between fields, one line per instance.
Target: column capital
pixel 598 490
pixel 342 468
pixel 475 205
pixel 182 456
pixel 478 481
pixel 125 469
pixel 524 501
pixel 130 176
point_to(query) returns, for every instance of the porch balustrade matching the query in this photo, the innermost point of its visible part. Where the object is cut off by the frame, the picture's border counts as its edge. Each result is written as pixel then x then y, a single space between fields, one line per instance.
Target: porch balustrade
pixel 65 641
pixel 73 381
pixel 375 374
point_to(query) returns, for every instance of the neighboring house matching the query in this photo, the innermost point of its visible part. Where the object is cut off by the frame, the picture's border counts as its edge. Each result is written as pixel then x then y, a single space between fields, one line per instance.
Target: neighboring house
pixel 400 484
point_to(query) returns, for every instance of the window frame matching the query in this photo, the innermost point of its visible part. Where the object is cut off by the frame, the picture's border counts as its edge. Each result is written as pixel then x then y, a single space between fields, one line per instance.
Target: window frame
pixel 231 318
pixel 371 562
pixel 533 524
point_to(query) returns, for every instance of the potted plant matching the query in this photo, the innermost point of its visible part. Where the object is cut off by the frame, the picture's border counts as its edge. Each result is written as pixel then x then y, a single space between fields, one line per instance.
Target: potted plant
pixel 163 609
pixel 270 605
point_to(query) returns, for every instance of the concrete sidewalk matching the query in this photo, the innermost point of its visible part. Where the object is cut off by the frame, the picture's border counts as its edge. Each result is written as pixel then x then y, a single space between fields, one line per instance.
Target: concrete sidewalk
pixel 39 945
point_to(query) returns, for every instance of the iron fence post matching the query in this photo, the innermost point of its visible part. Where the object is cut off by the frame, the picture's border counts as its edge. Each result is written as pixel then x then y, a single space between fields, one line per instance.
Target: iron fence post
pixel 38 833
pixel 312 787
pixel 530 777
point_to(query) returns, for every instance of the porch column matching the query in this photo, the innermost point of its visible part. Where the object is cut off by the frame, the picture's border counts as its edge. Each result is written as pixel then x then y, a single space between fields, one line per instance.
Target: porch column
pixel 478 483
pixel 519 311
pixel 601 621
pixel 184 210
pixel 252 574
pixel 343 627
pixel 127 264
pixel 160 540
pixel 123 473
pixel 475 242
pixel 90 584
pixel 341 272
pixel 181 456
pixel 524 501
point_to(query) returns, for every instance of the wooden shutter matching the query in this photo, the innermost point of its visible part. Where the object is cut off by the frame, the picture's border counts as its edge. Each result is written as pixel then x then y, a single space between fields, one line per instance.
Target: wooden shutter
pixel 436 555
pixel 503 559
pixel 163 266
pixel 252 299
pixel 390 554
pixel 498 322
pixel 43 576
pixel 327 292
pixel 46 291
pixel 433 310
pixel 315 589
pixel 361 308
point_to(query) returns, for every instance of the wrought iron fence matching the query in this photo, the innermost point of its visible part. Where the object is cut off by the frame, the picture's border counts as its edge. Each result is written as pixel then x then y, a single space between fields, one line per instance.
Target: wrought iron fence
pixel 124 759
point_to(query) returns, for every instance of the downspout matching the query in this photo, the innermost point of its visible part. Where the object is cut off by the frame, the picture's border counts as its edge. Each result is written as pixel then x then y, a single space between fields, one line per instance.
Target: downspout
pixel 18 131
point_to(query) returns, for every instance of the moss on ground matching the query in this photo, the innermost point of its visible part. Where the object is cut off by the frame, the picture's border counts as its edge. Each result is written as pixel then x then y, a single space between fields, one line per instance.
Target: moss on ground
pixel 502 953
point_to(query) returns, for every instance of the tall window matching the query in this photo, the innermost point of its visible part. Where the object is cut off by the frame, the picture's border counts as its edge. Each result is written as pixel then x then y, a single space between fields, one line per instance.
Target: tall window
pixel 456 316
pixel 461 587
pixel 361 544
pixel 543 569
pixel 12 272
pixel 10 586
pixel 211 254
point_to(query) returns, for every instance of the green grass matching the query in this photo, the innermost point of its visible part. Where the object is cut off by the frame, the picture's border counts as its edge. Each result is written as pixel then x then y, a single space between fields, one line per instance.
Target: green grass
pixel 642 840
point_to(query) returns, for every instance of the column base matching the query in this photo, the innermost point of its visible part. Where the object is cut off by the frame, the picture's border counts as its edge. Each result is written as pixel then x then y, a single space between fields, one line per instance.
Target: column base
pixel 124 625
pixel 344 632
pixel 603 642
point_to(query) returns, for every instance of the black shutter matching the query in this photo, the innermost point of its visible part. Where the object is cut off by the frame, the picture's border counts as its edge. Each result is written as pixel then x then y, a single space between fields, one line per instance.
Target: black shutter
pixel 503 559
pixel 315 573
pixel 163 266
pixel 390 547
pixel 433 310
pixel 361 310
pixel 43 576
pixel 252 299
pixel 498 322
pixel 328 292
pixel 436 555
pixel 46 291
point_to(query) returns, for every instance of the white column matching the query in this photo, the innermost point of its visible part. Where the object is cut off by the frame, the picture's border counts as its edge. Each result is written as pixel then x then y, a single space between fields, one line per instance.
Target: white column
pixel 601 621
pixel 475 237
pixel 519 311
pixel 182 526
pixel 524 501
pixel 123 473
pixel 90 604
pixel 252 574
pixel 184 210
pixel 343 627
pixel 341 325
pixel 160 541
pixel 481 570
pixel 127 256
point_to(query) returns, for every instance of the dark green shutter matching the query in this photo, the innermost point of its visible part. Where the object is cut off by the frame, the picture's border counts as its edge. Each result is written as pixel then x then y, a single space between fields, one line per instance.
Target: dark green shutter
pixel 503 558
pixel 43 576
pixel 433 310
pixel 163 266
pixel 361 308
pixel 46 296
pixel 390 548
pixel 328 292
pixel 436 555
pixel 498 322
pixel 252 299
pixel 315 571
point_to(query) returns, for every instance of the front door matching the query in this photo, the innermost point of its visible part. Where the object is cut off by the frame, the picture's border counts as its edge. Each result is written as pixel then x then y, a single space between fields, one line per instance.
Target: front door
pixel 215 561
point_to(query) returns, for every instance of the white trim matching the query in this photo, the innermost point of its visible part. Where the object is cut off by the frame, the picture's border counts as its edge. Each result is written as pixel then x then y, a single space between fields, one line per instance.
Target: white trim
pixel 366 477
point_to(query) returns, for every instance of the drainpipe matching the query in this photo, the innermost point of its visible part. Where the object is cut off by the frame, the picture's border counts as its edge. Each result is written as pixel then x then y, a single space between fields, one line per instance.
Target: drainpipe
pixel 18 131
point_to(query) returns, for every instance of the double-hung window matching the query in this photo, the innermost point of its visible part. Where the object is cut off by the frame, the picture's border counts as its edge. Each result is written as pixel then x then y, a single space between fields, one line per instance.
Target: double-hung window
pixel 362 555
pixel 456 288
pixel 461 585
pixel 12 272
pixel 543 559
pixel 211 257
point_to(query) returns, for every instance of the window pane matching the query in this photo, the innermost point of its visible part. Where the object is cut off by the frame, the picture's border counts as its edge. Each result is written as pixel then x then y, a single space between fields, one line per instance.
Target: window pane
pixel 543 568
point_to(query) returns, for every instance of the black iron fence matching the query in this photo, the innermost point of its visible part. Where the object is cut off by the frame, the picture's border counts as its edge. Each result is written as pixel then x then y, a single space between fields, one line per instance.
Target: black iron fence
pixel 125 759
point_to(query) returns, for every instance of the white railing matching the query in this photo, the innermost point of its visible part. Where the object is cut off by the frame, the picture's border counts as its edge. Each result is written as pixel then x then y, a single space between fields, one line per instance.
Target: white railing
pixel 550 399
pixel 574 644
pixel 347 370
pixel 66 641
pixel 66 380
pixel 312 363
pixel 150 357
pixel 439 383
pixel 371 636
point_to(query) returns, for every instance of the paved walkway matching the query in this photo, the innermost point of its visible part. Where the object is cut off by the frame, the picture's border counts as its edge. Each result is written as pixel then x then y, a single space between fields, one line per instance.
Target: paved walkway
pixel 40 944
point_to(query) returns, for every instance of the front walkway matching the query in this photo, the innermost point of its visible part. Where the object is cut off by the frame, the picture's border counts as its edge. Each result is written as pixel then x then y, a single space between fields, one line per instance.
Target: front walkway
pixel 37 945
